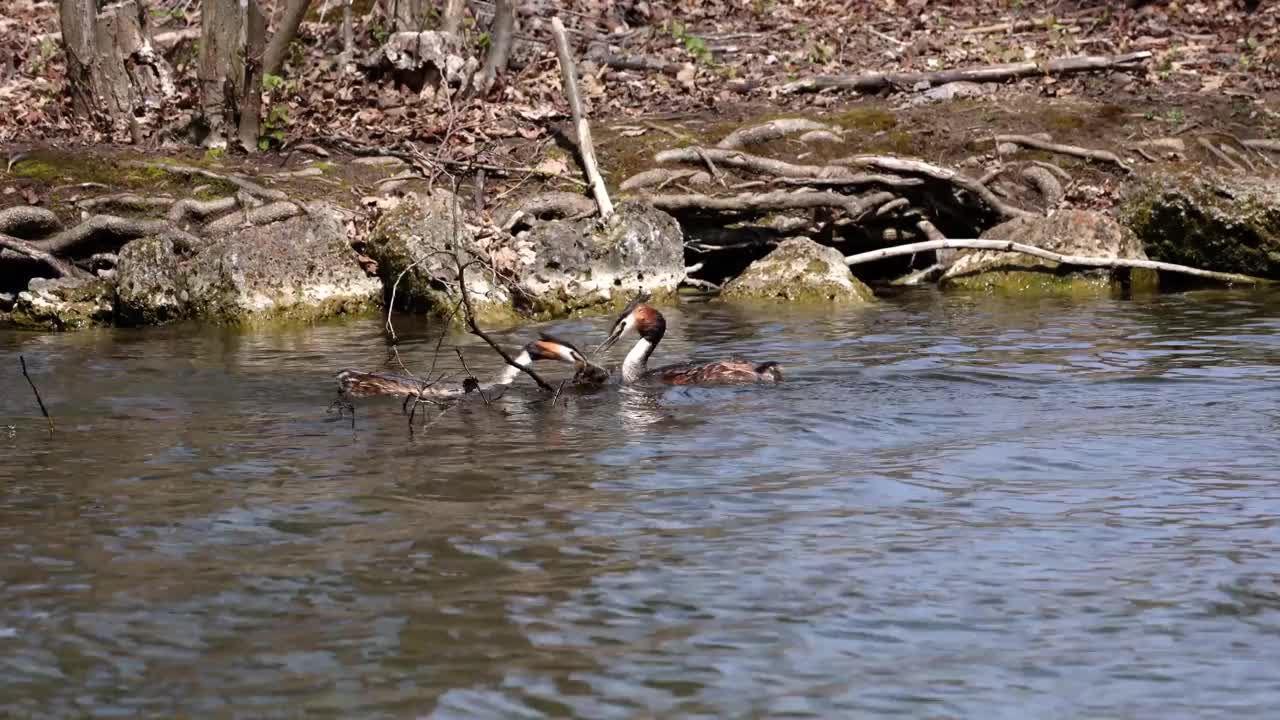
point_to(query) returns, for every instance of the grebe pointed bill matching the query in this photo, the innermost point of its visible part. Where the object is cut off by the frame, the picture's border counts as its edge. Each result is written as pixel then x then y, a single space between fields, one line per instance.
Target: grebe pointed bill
pixel 650 325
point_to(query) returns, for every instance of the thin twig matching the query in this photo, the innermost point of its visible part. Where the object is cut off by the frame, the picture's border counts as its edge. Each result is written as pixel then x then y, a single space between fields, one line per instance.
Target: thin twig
pixel 23 361
pixel 475 329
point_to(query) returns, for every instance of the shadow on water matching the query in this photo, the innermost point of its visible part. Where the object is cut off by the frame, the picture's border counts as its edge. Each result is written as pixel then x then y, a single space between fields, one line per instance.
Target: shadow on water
pixel 955 506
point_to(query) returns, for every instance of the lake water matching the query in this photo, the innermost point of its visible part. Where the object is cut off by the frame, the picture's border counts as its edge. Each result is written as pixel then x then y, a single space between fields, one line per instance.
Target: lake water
pixel 954 507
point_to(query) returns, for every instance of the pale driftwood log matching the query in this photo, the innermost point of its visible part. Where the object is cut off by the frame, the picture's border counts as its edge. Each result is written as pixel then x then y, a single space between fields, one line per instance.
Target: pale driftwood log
pixel 918 167
pixel 22 247
pixel 495 61
pixel 249 218
pixel 1072 150
pixel 854 207
pixel 278 48
pixel 771 130
pixel 26 221
pixel 876 81
pixel 569 79
pixel 1074 260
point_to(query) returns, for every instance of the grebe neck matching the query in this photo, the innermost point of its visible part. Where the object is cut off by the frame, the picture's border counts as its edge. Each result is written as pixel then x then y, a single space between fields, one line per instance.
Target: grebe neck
pixel 510 372
pixel 634 365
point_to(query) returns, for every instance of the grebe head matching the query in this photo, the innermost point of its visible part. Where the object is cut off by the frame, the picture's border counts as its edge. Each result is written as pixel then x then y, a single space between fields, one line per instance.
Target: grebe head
pixel 645 320
pixel 548 347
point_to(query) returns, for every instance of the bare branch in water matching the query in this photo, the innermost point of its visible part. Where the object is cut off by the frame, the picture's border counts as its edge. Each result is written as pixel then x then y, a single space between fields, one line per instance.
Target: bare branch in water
pixel 23 361
pixel 475 330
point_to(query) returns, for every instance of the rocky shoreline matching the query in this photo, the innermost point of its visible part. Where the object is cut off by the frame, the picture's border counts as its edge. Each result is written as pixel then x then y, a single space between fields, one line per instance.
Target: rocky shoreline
pixel 780 211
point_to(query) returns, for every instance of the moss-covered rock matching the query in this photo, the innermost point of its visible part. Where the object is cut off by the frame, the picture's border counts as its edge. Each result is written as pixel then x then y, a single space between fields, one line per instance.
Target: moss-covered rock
pixel 552 270
pixel 300 269
pixel 1069 232
pixel 799 270
pixel 414 245
pixel 63 304
pixel 572 265
pixel 1214 223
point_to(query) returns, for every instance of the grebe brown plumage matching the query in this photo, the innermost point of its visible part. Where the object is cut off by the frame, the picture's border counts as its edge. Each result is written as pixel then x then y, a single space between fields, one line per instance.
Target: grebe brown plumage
pixel 359 384
pixel 651 326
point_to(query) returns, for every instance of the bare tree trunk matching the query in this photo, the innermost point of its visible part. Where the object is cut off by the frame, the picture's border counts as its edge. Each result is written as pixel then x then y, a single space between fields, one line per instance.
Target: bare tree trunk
pixel 495 62
pixel 348 37
pixel 255 43
pixel 233 37
pixel 115 75
pixel 453 13
pixel 410 15
pixel 278 49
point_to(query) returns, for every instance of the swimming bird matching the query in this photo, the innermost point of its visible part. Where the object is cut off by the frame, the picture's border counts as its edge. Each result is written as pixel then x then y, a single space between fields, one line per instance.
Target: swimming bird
pixel 650 326
pixel 359 384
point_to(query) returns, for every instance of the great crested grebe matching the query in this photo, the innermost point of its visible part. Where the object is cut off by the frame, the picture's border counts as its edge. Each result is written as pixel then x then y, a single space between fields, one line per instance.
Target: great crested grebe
pixel 650 325
pixel 358 384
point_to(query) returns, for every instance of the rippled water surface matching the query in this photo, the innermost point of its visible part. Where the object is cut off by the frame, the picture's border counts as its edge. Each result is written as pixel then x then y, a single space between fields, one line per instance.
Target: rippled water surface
pixel 954 508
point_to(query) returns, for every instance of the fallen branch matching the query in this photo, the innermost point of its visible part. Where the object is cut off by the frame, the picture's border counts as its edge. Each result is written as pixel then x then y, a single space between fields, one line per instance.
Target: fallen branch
pixel 23 361
pixel 771 201
pixel 771 130
pixel 643 64
pixel 917 167
pixel 475 329
pixel 22 247
pixel 1077 260
pixel 1269 145
pixel 258 216
pixel 876 81
pixel 1072 150
pixel 1207 144
pixel 25 220
pixel 569 80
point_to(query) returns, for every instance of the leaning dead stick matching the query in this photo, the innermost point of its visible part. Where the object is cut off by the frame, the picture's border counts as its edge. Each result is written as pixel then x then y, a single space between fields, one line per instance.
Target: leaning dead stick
pixel 475 329
pixel 1077 260
pixel 23 361
pixel 569 76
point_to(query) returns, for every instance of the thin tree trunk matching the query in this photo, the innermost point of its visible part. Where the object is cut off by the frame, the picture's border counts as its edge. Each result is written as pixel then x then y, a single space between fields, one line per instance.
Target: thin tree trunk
pixel 278 49
pixel 251 97
pixel 453 14
pixel 504 20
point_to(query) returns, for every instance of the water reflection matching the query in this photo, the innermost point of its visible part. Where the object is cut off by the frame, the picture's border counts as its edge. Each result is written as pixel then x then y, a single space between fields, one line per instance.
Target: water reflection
pixel 955 506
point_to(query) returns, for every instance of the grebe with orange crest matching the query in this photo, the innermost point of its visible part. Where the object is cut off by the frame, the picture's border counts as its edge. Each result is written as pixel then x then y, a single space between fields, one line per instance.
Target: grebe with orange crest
pixel 651 326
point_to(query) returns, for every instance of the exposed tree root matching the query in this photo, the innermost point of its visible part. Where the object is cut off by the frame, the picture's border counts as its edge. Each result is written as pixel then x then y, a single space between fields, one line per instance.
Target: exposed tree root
pixel 102 230
pixel 1075 260
pixel 243 183
pixel 918 167
pixel 126 201
pixel 876 81
pixel 22 247
pixel 200 209
pixel 550 205
pixel 1046 183
pixel 1072 150
pixel 257 216
pixel 662 177
pixel 771 130
pixel 26 222
pixel 772 201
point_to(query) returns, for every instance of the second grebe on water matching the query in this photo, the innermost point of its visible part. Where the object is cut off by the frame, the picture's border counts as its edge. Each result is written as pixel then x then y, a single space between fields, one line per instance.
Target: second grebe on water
pixel 651 326
pixel 358 384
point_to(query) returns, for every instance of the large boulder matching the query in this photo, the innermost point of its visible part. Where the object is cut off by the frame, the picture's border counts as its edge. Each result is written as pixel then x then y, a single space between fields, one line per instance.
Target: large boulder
pixel 551 270
pixel 799 270
pixel 302 268
pixel 1214 223
pixel 63 304
pixel 1069 232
